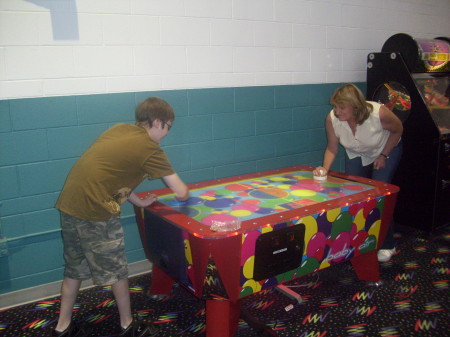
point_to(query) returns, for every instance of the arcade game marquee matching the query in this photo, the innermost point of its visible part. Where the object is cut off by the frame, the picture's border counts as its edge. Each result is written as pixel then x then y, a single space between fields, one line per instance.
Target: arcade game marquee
pixel 412 77
pixel 240 235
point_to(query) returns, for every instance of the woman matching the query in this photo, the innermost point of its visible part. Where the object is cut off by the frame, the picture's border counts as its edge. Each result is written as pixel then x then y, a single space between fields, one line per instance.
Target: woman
pixel 371 135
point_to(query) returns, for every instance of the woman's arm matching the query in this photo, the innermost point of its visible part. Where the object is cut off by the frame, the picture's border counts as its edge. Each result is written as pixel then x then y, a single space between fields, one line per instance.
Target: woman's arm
pixel 390 122
pixel 331 150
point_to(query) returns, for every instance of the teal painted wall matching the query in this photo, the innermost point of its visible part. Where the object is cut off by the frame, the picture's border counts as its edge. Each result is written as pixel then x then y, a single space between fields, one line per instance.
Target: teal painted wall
pixel 217 133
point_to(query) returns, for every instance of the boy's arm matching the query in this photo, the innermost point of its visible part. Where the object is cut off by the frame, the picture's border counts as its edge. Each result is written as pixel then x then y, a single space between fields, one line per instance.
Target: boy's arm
pixel 177 186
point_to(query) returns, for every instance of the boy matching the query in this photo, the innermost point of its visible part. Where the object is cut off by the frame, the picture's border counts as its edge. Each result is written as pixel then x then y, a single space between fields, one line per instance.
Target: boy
pixel 102 179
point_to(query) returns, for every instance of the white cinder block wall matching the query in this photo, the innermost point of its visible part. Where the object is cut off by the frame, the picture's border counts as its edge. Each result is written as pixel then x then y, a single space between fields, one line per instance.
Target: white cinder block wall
pixel 73 47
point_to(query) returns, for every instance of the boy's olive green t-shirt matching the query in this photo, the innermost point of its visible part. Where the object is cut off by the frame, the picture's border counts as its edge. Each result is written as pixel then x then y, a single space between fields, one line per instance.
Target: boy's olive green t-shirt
pixel 105 175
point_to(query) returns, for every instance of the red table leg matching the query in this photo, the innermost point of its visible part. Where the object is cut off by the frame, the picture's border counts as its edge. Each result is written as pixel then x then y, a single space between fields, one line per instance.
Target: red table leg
pixel 366 266
pixel 222 318
pixel 161 282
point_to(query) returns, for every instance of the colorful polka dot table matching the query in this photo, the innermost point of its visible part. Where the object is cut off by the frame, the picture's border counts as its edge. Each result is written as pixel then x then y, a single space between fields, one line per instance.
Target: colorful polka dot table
pixel 242 235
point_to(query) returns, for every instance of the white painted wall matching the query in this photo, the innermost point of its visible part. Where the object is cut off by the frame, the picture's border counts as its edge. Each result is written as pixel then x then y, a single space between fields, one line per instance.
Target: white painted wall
pixel 72 47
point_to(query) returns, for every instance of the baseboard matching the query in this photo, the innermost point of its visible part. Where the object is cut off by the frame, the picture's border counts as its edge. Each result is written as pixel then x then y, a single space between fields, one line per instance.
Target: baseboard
pixel 33 294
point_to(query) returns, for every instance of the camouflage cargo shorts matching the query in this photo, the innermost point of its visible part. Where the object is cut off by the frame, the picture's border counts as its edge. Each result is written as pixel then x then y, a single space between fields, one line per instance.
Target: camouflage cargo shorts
pixel 94 249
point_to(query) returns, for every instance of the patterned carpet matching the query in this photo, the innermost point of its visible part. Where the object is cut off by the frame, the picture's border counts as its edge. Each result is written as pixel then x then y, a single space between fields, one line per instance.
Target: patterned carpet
pixel 413 300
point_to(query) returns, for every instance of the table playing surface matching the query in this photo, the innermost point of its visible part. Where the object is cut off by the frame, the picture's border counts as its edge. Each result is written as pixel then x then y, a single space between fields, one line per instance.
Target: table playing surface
pixel 257 197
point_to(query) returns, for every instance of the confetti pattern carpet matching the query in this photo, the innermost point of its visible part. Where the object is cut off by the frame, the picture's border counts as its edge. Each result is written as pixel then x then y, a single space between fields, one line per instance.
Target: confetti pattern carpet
pixel 413 300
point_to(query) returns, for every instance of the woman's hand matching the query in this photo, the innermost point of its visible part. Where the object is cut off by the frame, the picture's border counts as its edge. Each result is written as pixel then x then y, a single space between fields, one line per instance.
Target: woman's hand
pixel 379 163
pixel 320 171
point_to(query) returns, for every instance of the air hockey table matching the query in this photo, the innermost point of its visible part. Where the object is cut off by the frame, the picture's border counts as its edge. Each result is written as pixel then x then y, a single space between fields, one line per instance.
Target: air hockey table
pixel 240 235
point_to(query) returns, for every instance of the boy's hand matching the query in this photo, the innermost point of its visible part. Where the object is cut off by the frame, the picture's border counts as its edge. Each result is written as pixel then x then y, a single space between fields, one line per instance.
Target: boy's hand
pixel 176 202
pixel 148 200
pixel 144 202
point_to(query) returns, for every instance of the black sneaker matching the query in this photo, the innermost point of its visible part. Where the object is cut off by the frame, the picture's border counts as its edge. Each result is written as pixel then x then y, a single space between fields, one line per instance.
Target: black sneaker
pixel 71 331
pixel 139 329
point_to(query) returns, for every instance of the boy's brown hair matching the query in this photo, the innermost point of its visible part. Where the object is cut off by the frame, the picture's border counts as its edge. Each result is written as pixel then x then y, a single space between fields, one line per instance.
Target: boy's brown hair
pixel 151 109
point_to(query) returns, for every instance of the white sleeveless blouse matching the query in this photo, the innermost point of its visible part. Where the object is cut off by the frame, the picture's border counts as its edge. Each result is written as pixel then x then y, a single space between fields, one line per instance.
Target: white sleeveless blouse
pixel 368 140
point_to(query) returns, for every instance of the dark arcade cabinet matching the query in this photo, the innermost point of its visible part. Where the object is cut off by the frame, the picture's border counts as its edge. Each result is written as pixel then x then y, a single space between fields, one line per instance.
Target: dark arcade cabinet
pixel 412 77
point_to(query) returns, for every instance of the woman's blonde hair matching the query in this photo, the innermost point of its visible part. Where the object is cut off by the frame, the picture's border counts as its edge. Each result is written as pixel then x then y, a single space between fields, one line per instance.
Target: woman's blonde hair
pixel 350 95
pixel 151 109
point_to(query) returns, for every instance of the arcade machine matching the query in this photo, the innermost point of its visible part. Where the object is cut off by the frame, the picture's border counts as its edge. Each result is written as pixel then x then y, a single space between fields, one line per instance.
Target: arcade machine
pixel 241 235
pixel 412 77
